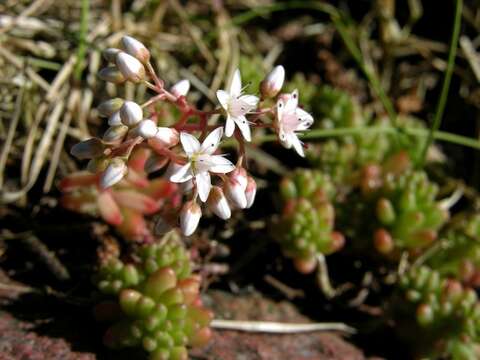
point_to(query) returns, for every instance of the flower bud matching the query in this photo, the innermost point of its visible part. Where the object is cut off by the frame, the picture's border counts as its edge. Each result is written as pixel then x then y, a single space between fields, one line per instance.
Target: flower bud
pixel 111 74
pixel 130 67
pixel 164 137
pixel 114 172
pixel 131 113
pixel 115 134
pixel 97 165
pixel 189 217
pixel 110 107
pixel 218 203
pixel 110 54
pixel 87 149
pixel 180 88
pixel 250 191
pixel 114 119
pixel 273 82
pixel 135 48
pixel 147 128
pixel 235 192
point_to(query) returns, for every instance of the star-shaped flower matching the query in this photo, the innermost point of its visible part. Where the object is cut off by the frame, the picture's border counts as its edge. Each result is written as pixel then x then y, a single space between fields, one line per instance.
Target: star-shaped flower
pixel 202 162
pixel 237 105
pixel 290 119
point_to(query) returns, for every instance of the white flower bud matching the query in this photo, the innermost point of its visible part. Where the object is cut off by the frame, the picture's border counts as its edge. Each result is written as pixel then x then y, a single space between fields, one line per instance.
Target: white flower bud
pixel 240 175
pixel 235 193
pixel 109 107
pixel 180 88
pixel 114 172
pixel 218 203
pixel 130 67
pixel 136 49
pixel 147 129
pixel 97 165
pixel 131 113
pixel 164 137
pixel 251 191
pixel 115 134
pixel 87 149
pixel 273 82
pixel 114 119
pixel 111 74
pixel 110 54
pixel 189 217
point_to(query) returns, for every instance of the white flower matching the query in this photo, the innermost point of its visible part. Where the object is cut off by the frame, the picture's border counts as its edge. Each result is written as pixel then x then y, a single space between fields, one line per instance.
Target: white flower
pixel 201 162
pixel 237 106
pixel 291 118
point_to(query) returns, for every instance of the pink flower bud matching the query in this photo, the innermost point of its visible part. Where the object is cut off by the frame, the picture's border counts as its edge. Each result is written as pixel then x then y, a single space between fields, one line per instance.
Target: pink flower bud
pixel 87 149
pixel 131 113
pixel 147 129
pixel 114 172
pixel 164 137
pixel 180 88
pixel 136 49
pixel 235 192
pixel 115 119
pixel 109 107
pixel 111 74
pixel 218 203
pixel 115 134
pixel 130 67
pixel 251 191
pixel 110 54
pixel 273 82
pixel 189 217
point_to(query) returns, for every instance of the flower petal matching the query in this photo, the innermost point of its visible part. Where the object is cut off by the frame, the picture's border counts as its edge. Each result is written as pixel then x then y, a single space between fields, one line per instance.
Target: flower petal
pixel 285 139
pixel 182 174
pixel 297 145
pixel 190 143
pixel 229 126
pixel 305 120
pixel 223 98
pixel 250 100
pixel 211 142
pixel 292 102
pixel 244 127
pixel 204 185
pixel 236 84
pixel 220 164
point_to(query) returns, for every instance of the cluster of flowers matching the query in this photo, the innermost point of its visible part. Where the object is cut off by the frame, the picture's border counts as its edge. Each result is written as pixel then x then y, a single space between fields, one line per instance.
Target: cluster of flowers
pixel 193 168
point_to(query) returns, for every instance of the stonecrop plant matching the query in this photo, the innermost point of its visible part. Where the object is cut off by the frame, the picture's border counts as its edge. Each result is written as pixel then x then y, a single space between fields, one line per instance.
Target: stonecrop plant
pixel 189 150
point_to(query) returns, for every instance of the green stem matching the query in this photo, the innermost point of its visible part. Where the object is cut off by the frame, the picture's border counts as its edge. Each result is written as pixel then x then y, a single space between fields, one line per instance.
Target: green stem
pixel 82 39
pixel 339 132
pixel 446 81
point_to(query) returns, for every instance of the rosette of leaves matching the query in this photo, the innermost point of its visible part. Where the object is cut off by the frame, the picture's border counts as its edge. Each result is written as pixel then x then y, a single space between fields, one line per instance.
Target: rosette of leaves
pixel 157 301
pixel 126 204
pixel 459 253
pixel 439 316
pixel 306 226
pixel 344 155
pixel 407 212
